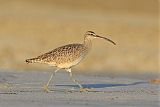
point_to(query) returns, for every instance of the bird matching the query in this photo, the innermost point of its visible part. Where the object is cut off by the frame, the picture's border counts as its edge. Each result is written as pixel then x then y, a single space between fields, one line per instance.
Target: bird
pixel 67 56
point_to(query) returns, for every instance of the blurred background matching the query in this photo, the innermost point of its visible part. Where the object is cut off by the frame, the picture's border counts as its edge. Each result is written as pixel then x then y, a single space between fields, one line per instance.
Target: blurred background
pixel 29 28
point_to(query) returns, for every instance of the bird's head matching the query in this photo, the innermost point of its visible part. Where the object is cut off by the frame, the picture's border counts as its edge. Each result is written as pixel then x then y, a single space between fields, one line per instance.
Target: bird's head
pixel 91 35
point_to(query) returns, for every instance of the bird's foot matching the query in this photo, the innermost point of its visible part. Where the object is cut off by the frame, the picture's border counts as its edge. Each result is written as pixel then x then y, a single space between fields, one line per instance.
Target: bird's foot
pixel 85 90
pixel 46 89
pixel 5 85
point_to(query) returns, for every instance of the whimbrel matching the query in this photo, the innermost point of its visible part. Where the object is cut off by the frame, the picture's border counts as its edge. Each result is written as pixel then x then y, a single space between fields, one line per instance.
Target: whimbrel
pixel 65 57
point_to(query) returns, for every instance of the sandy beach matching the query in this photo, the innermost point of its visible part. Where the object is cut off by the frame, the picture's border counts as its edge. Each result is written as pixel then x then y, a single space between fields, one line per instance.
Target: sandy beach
pixel 118 75
pixel 19 89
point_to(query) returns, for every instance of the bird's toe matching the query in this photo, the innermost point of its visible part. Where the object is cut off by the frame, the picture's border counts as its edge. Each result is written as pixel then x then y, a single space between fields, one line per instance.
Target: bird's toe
pixel 85 90
pixel 46 89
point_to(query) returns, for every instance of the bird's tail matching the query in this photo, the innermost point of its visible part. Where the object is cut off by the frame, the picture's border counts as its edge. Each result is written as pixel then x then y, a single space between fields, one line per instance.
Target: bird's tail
pixel 32 60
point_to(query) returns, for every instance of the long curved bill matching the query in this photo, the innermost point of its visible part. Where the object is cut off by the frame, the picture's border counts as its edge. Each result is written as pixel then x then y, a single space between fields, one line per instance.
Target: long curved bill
pixel 105 39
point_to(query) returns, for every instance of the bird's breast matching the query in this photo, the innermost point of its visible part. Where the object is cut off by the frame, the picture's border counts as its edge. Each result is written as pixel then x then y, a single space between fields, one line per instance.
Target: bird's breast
pixel 68 64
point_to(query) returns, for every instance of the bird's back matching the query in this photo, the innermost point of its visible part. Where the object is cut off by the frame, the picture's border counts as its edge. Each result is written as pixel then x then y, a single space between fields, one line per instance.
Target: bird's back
pixel 64 56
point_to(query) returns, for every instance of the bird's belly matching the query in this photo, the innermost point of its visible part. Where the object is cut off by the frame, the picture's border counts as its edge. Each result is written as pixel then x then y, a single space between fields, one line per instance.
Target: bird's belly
pixel 69 63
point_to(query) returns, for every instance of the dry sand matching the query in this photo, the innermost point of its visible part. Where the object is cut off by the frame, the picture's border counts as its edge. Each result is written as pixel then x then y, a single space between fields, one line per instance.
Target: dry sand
pixel 31 27
pixel 19 89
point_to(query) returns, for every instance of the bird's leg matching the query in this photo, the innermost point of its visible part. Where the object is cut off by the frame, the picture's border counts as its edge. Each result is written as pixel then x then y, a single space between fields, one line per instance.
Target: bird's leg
pixel 75 81
pixel 45 87
pixel 71 77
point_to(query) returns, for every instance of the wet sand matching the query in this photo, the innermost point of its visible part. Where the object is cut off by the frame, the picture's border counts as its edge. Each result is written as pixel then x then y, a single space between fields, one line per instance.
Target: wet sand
pixel 19 89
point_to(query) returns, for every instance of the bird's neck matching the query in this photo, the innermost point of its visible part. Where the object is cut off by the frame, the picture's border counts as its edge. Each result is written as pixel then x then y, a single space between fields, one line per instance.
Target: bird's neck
pixel 87 42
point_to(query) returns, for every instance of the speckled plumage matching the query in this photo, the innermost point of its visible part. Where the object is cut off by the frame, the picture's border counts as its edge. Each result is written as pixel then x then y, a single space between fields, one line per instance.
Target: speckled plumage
pixel 68 55
pixel 65 57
